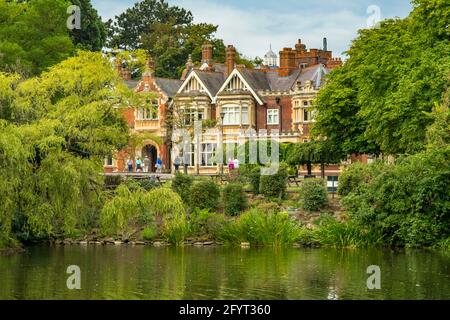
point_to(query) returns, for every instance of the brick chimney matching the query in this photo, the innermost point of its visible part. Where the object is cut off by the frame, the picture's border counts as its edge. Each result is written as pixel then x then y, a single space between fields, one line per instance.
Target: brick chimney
pixel 207 53
pixel 287 62
pixel 230 59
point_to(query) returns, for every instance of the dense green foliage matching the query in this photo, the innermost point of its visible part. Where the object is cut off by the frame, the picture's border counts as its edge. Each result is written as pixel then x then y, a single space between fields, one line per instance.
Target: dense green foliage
pixel 315 152
pixel 407 203
pixel 313 195
pixel 55 132
pixel 182 184
pixel 258 228
pixel 204 194
pixel 275 185
pixel 250 174
pixel 33 35
pixel 234 199
pixel 379 100
pixel 92 35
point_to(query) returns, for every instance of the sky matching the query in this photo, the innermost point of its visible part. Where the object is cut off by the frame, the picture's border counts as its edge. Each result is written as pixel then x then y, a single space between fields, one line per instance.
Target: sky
pixel 253 25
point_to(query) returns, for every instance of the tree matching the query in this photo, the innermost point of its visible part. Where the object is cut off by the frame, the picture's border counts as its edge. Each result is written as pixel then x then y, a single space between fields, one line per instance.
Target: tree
pixel 33 35
pixel 55 132
pixel 320 152
pixel 92 35
pixel 376 102
pixel 126 30
pixel 172 44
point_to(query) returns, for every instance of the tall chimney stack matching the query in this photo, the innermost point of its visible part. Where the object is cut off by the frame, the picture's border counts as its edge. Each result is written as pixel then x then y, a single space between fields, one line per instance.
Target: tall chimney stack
pixel 207 53
pixel 230 59
pixel 325 44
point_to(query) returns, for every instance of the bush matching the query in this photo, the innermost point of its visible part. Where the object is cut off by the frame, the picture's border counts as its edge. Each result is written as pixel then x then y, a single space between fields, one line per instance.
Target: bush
pixel 355 176
pixel 204 222
pixel 149 233
pixel 204 194
pixel 181 184
pixel 275 185
pixel 258 228
pixel 234 199
pixel 408 203
pixel 332 233
pixel 250 174
pixel 128 210
pixel 175 230
pixel 313 195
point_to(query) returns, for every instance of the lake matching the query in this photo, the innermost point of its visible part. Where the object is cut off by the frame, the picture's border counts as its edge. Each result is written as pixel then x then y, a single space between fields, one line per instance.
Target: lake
pixel 125 272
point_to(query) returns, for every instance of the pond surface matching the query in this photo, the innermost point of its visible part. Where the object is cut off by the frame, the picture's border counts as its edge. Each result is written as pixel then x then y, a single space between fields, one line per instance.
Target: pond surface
pixel 223 273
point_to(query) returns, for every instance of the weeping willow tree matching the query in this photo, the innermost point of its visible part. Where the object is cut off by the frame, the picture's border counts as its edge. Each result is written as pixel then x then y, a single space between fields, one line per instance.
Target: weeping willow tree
pixel 55 131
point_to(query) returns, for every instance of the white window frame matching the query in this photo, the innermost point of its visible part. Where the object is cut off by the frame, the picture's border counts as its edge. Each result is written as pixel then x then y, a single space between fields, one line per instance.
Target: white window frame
pixel 193 114
pixel 207 155
pixel 273 116
pixel 236 115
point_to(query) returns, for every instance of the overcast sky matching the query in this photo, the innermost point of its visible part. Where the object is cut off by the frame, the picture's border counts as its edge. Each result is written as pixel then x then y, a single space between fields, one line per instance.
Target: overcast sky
pixel 252 25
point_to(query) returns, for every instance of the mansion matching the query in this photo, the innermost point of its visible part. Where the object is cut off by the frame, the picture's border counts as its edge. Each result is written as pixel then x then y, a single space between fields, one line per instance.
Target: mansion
pixel 227 97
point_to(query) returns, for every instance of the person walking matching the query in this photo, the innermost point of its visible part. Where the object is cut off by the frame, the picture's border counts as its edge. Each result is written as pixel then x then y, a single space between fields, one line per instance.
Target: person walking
pixel 176 163
pixel 130 165
pixel 138 165
pixel 159 165
pixel 147 164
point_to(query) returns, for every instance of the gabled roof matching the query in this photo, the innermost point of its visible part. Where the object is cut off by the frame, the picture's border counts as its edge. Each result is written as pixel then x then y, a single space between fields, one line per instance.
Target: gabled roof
pixel 209 80
pixel 212 80
pixel 169 86
pixel 253 80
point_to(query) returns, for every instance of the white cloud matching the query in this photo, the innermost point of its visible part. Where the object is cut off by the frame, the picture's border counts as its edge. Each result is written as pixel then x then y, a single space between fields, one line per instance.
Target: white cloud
pixel 252 31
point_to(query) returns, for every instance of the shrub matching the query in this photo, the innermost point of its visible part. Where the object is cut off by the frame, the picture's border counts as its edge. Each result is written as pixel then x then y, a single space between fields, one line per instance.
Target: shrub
pixel 275 185
pixel 234 199
pixel 258 228
pixel 250 174
pixel 149 233
pixel 313 195
pixel 204 194
pixel 129 210
pixel 355 177
pixel 408 203
pixel 181 184
pixel 204 222
pixel 126 210
pixel 176 230
pixel 332 233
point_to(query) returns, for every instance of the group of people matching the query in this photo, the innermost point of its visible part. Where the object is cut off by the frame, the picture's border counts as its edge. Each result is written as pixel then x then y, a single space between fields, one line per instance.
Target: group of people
pixel 144 165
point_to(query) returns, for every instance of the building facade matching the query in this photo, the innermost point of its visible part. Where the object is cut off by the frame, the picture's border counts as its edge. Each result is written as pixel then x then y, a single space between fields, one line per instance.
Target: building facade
pixel 230 98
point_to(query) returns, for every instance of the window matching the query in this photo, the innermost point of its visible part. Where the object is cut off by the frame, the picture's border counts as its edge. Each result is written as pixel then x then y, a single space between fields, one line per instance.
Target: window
pixel 245 115
pixel 306 115
pixel 233 115
pixel 191 115
pixel 109 161
pixel 273 116
pixel 208 155
pixel 149 113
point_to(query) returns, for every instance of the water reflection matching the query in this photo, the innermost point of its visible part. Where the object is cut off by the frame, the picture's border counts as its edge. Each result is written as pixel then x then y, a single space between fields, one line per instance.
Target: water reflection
pixel 223 273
